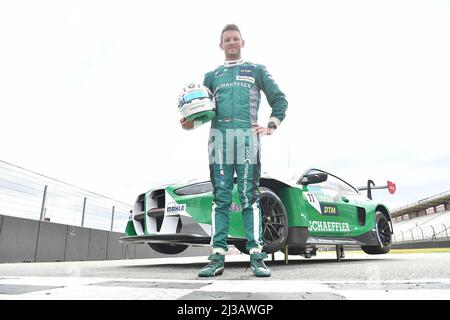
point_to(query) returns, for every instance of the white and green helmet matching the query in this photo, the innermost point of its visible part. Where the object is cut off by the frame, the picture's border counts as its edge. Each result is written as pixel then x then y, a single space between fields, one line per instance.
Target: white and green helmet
pixel 197 103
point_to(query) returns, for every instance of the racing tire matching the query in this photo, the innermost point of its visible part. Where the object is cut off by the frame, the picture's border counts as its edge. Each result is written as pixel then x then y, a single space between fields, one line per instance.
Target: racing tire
pixel 168 248
pixel 274 223
pixel 384 235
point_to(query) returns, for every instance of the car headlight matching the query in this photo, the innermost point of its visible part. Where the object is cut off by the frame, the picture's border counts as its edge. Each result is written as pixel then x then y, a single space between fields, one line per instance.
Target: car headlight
pixel 192 189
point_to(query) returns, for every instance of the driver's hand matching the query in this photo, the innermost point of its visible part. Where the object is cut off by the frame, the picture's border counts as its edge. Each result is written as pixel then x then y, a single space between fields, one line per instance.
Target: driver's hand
pixel 186 124
pixel 257 129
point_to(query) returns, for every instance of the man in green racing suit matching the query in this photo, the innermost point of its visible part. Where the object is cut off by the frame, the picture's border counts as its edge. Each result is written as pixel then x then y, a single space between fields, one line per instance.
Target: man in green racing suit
pixel 234 146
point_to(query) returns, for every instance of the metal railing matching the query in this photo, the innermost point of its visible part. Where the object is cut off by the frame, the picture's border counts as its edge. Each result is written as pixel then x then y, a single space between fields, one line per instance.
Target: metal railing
pixel 27 194
pixel 421 233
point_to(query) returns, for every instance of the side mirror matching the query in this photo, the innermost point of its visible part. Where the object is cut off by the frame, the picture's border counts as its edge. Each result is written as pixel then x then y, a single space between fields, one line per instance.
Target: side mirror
pixel 314 178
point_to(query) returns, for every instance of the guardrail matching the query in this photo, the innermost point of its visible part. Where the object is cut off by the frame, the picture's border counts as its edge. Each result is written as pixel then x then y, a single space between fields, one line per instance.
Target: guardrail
pixel 30 195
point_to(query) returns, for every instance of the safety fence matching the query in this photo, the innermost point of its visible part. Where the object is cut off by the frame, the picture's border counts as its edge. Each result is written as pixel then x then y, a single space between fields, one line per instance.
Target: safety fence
pixel 419 233
pixel 30 195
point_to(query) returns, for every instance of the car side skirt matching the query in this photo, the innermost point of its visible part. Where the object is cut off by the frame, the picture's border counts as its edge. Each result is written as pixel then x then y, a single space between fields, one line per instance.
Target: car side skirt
pixel 301 236
pixel 296 236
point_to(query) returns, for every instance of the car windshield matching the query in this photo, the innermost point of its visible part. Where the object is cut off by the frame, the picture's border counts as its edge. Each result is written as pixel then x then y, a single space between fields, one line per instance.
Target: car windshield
pixel 333 183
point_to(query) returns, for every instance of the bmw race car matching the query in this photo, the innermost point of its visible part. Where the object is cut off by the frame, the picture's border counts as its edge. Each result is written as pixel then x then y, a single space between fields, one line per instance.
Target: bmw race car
pixel 300 213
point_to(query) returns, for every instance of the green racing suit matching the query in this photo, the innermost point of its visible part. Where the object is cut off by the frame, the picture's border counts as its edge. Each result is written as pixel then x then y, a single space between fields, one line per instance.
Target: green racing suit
pixel 233 147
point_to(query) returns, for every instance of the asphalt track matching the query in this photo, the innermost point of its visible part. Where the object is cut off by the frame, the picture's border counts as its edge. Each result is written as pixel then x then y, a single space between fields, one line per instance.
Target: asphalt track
pixel 404 275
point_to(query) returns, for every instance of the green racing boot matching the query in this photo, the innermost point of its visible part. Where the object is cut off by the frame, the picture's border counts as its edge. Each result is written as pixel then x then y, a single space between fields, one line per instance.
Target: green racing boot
pixel 215 267
pixel 257 264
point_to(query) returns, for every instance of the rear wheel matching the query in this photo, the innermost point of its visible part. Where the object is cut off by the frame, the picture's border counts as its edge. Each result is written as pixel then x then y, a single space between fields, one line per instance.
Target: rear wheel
pixel 168 248
pixel 384 235
pixel 274 222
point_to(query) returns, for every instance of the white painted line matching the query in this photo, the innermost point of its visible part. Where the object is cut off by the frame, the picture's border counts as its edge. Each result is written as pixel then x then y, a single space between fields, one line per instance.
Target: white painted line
pixel 419 294
pixel 101 293
pixel 266 286
pixel 83 288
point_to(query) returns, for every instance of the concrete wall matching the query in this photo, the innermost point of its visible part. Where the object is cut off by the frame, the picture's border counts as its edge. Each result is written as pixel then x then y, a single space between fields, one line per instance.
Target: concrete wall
pixel 25 240
pixel 18 239
pixel 51 242
pixel 77 244
pixel 114 249
pixel 97 245
pixel 443 243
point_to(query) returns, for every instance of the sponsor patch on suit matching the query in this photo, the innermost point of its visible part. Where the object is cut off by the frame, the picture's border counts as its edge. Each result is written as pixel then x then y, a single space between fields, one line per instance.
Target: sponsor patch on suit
pixel 246 73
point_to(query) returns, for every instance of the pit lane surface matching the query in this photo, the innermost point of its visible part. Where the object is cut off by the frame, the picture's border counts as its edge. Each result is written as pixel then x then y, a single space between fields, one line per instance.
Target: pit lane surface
pixel 358 276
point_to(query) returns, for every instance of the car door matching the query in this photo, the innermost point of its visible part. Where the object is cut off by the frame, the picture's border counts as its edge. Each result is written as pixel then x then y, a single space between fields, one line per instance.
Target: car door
pixel 333 213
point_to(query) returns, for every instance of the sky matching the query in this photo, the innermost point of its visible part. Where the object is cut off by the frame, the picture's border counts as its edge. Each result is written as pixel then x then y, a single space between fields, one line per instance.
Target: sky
pixel 88 89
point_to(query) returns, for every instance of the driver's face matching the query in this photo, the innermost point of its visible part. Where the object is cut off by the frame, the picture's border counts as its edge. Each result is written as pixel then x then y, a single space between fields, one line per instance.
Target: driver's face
pixel 231 44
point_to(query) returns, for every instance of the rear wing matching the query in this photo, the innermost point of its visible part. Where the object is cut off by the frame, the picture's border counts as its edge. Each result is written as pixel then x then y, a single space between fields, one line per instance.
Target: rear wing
pixel 371 186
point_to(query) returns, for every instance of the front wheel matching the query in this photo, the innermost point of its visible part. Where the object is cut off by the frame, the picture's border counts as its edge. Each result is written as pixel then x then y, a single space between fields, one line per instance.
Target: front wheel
pixel 274 222
pixel 384 235
pixel 168 248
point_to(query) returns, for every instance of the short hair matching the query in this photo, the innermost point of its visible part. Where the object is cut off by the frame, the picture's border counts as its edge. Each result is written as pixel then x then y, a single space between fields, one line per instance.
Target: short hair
pixel 230 27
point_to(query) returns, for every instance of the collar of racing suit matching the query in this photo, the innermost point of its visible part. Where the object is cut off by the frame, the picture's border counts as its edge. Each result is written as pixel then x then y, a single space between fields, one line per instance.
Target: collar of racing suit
pixel 233 63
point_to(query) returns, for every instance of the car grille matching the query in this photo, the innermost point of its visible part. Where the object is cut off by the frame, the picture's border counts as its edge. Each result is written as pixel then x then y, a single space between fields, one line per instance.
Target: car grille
pixel 156 202
pixel 139 209
pixel 155 205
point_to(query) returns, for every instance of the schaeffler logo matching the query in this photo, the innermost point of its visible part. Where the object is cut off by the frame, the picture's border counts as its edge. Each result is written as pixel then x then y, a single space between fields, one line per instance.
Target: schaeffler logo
pixel 173 207
pixel 331 226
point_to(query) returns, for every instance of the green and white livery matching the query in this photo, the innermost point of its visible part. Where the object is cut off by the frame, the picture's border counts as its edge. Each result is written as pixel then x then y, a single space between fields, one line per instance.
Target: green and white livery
pixel 299 213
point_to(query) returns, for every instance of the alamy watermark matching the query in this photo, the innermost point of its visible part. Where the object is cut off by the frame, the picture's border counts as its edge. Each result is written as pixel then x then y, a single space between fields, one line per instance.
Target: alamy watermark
pixel 233 146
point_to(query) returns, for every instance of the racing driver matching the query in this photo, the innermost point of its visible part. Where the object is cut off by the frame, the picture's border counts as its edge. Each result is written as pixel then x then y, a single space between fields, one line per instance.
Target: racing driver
pixel 234 147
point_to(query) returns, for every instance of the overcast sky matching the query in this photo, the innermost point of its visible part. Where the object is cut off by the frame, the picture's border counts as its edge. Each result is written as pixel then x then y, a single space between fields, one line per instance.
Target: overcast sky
pixel 88 89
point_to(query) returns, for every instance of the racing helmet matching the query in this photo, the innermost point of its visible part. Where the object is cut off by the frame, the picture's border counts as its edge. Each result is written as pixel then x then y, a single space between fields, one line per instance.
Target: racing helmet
pixel 197 103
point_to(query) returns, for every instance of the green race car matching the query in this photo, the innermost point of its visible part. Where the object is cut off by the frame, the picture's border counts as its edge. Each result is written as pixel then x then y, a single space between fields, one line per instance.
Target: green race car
pixel 300 213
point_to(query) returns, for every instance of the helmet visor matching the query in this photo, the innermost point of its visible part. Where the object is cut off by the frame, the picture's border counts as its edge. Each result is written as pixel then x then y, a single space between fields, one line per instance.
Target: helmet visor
pixel 198 94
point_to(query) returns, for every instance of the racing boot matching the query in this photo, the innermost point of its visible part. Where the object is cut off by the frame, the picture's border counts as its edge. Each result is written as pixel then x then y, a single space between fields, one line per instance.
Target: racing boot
pixel 214 267
pixel 257 264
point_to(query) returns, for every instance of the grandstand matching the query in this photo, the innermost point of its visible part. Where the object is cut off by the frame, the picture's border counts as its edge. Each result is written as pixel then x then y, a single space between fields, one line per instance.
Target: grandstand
pixel 427 219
